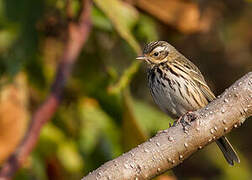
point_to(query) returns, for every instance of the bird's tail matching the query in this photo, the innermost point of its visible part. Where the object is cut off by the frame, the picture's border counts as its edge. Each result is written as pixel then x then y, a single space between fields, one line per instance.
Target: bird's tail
pixel 227 150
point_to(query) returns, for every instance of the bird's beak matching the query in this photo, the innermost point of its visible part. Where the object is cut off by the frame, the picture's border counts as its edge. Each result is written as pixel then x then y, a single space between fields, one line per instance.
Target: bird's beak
pixel 141 58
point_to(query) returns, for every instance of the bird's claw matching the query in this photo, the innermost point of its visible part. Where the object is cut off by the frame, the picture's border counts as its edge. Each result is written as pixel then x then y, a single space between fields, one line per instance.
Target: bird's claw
pixel 185 120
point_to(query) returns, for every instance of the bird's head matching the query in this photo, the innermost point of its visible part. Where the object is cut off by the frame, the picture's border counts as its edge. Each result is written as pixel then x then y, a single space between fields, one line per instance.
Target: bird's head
pixel 157 52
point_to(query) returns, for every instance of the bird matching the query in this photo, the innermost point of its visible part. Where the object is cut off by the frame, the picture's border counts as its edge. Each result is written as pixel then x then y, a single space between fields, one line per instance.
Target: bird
pixel 178 87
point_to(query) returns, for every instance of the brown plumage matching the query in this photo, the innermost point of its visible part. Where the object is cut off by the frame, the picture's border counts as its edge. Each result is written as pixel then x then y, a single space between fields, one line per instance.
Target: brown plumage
pixel 177 86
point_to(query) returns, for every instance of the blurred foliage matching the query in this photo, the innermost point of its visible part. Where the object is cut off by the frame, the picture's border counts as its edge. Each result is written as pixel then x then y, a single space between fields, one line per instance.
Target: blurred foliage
pixel 107 108
pixel 13 114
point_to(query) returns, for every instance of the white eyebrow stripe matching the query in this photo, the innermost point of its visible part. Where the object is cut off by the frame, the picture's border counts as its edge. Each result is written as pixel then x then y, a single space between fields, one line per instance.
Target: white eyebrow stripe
pixel 160 48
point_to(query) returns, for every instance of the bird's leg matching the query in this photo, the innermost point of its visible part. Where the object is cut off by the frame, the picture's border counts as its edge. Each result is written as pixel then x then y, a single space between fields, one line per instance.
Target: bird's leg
pixel 186 119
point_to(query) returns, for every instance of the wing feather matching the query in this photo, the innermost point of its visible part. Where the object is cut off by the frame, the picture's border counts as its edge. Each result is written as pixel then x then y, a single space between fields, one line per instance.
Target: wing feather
pixel 196 75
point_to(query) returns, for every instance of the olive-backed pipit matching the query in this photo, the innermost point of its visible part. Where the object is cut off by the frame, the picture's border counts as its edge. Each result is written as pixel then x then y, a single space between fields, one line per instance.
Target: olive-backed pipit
pixel 177 86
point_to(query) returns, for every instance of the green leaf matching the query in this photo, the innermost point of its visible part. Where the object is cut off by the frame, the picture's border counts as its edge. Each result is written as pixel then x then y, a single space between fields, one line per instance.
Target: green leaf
pixel 151 119
pixel 100 20
pixel 125 78
pixel 8 36
pixel 123 17
pixel 50 137
pixel 146 29
pixel 133 133
pixel 53 140
pixel 69 156
pixel 95 123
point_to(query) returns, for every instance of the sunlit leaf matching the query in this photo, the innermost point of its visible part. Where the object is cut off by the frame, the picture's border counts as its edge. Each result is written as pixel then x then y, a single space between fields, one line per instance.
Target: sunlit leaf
pixel 13 114
pixel 50 137
pixel 123 16
pixel 7 37
pixel 69 156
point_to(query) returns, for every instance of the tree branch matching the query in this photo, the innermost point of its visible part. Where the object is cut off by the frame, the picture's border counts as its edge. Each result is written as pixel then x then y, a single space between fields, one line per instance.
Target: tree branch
pixel 77 35
pixel 171 146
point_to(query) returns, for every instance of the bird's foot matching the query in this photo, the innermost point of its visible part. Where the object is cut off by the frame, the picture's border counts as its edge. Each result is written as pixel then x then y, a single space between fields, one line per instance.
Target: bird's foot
pixel 185 120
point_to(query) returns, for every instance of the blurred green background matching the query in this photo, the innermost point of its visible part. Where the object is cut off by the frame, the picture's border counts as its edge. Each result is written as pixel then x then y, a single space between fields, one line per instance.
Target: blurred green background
pixel 107 108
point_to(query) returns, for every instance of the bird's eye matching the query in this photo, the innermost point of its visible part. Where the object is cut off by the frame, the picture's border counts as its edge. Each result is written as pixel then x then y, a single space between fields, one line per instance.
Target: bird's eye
pixel 156 54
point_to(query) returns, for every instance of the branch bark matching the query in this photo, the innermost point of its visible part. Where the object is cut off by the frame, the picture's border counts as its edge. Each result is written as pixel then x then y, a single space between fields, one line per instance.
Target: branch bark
pixel 171 146
pixel 77 35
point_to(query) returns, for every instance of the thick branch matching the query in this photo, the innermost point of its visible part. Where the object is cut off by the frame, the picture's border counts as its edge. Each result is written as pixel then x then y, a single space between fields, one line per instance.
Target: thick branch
pixel 77 35
pixel 170 147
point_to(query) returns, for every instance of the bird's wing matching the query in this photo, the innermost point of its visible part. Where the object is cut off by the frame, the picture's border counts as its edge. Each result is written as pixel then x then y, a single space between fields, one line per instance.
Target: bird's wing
pixel 197 77
pixel 205 89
